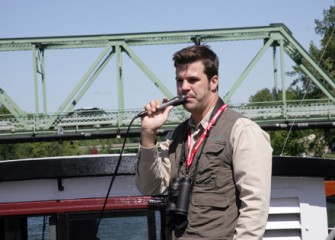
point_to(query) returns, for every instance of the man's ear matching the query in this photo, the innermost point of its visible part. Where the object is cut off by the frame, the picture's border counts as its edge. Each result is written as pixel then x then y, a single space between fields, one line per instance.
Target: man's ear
pixel 214 83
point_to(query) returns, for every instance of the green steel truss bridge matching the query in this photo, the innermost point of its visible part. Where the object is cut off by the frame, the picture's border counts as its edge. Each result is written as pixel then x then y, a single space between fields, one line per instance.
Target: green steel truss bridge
pixel 41 125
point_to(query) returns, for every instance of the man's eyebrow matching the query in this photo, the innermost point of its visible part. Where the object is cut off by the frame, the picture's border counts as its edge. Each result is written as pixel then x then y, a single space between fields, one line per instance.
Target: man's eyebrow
pixel 180 76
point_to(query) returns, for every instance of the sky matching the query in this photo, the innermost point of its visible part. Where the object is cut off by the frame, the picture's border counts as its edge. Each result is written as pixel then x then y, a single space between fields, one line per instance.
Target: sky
pixel 64 69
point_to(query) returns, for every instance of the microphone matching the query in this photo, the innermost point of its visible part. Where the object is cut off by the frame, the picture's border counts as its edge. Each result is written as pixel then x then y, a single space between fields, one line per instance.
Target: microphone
pixel 176 101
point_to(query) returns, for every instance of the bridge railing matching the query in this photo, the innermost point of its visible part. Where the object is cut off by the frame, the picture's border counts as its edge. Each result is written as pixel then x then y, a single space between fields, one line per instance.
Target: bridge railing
pixel 109 119
pixel 261 112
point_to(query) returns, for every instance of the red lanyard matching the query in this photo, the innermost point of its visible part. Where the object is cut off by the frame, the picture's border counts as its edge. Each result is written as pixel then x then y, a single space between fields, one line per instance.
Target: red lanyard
pixel 202 138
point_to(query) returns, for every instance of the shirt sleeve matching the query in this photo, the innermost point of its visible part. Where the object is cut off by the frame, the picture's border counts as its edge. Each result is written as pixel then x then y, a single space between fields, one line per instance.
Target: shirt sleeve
pixel 153 169
pixel 252 163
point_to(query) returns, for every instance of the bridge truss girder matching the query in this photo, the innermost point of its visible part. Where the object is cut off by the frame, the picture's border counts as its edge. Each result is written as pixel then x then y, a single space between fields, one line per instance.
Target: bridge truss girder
pixel 274 35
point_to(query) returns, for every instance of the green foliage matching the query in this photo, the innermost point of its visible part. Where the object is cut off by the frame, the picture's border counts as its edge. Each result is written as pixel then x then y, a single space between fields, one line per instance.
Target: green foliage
pixel 283 146
pixel 267 95
pixel 326 28
pixel 37 150
pixel 263 95
pixel 7 151
pixel 65 148
pixel 325 57
pixel 3 110
pixel 312 141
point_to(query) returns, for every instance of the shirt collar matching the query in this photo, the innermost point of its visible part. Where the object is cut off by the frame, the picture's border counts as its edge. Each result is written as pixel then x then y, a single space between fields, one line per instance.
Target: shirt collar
pixel 203 123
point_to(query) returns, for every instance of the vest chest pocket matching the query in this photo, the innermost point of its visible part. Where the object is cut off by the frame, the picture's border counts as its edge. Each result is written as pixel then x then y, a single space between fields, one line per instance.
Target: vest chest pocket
pixel 214 145
pixel 210 200
pixel 210 163
pixel 211 157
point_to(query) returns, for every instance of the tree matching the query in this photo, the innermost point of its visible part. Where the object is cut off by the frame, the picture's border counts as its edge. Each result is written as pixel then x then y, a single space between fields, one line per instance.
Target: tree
pixel 325 56
pixel 326 28
pixel 267 95
pixel 263 95
pixel 310 141
pixel 3 110
pixel 38 150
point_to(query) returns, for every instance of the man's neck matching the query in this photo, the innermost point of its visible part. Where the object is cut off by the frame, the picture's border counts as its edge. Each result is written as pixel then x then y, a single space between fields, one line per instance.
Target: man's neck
pixel 198 116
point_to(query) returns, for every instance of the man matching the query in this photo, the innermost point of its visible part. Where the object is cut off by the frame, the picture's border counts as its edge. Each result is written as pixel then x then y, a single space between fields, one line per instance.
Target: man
pixel 224 157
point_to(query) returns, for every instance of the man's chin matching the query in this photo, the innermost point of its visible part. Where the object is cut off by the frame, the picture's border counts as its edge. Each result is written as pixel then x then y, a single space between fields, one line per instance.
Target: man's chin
pixel 188 107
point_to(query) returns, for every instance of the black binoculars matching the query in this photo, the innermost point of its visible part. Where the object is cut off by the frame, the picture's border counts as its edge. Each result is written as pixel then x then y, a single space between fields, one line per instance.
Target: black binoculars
pixel 179 196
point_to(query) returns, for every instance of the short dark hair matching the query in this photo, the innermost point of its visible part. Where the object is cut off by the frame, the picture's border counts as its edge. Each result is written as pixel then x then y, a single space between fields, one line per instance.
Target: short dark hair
pixel 199 52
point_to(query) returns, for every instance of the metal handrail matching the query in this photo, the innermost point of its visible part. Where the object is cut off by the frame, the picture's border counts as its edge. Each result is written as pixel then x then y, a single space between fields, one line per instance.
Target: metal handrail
pixel 261 112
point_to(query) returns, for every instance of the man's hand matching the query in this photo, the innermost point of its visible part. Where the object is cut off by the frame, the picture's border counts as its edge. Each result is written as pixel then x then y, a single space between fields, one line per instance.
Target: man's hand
pixel 152 121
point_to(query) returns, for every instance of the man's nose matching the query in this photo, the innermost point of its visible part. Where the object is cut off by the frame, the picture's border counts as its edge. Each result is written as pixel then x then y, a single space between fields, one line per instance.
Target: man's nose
pixel 185 85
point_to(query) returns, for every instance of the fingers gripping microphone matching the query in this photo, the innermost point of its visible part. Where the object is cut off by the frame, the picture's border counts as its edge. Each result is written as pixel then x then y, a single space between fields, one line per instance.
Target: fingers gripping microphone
pixel 176 101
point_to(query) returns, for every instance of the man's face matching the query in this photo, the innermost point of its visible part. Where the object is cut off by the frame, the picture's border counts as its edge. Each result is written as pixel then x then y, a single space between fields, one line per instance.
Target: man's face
pixel 193 82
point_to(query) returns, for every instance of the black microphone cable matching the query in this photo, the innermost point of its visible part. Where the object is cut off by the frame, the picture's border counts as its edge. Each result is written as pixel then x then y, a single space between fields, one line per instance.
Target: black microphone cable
pixel 113 177
pixel 176 101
